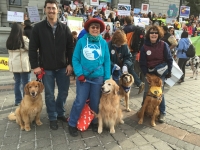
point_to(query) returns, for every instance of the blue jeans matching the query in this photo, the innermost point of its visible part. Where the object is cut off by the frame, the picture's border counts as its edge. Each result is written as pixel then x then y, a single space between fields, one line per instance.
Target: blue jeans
pixel 21 79
pixel 85 91
pixel 55 107
pixel 132 71
pixel 162 104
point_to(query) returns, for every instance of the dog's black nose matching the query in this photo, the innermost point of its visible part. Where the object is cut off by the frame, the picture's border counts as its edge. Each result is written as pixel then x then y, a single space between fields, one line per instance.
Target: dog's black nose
pixel 33 93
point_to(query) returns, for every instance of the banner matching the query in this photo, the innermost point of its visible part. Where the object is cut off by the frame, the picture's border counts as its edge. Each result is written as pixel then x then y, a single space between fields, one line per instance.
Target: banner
pixel 124 9
pixel 4 63
pixel 142 22
pixel 196 43
pixel 75 23
pixel 184 11
pixel 33 14
pixel 15 16
pixel 94 2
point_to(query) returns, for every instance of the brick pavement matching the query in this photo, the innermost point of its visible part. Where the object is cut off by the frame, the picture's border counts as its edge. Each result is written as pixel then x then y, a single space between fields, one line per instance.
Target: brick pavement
pixel 181 130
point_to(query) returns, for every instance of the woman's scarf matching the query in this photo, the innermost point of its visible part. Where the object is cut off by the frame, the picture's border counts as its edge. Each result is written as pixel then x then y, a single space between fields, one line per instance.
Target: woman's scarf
pixel 93 38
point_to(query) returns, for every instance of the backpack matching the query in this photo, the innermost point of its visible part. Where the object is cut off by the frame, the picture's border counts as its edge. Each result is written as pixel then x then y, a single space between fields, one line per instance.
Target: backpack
pixel 137 40
pixel 190 51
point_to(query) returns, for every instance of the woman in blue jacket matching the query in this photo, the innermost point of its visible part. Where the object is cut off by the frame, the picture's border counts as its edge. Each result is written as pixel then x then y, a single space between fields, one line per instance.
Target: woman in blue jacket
pixel 183 45
pixel 91 62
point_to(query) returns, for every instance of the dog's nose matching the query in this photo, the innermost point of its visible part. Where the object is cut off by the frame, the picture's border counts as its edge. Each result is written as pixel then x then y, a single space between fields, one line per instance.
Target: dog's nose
pixel 102 88
pixel 33 93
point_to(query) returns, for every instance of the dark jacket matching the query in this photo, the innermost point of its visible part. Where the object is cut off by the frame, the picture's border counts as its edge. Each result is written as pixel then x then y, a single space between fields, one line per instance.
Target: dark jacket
pixel 27 31
pixel 125 56
pixel 155 55
pixel 55 51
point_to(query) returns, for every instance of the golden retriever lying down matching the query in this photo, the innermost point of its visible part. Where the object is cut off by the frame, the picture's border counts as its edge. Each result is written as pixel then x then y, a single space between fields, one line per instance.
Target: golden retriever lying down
pixel 125 83
pixel 30 106
pixel 109 108
pixel 152 100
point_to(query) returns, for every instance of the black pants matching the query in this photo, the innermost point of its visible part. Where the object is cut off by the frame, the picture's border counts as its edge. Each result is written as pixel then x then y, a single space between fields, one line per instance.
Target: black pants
pixel 181 63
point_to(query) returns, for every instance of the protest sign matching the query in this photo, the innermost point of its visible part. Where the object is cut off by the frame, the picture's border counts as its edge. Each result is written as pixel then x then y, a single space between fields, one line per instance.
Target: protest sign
pixel 175 75
pixel 170 20
pixel 75 23
pixel 94 2
pixel 33 13
pixel 15 16
pixel 136 11
pixel 4 63
pixel 124 9
pixel 196 43
pixel 178 33
pixel 145 8
pixel 184 11
pixel 142 22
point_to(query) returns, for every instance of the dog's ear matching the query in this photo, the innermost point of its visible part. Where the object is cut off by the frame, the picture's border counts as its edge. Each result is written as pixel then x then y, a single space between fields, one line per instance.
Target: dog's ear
pixel 41 87
pixel 26 89
pixel 159 82
pixel 116 89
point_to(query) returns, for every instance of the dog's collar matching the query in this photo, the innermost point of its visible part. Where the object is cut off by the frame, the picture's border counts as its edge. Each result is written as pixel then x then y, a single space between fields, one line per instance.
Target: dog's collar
pixel 154 96
pixel 126 89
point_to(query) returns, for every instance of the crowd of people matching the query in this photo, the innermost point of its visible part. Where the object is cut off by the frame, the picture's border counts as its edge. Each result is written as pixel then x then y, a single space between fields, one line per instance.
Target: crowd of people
pixel 94 55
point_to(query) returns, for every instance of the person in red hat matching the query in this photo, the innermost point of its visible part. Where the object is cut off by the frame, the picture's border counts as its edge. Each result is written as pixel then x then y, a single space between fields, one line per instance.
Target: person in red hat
pixel 91 63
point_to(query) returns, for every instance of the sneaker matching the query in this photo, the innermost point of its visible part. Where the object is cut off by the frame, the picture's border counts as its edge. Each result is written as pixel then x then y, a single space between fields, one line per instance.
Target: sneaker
pixel 54 125
pixel 72 131
pixel 94 127
pixel 141 88
pixel 161 118
pixel 62 118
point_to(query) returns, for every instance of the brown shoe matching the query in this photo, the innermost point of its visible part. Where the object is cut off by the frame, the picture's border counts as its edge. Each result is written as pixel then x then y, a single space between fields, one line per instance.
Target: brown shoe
pixel 141 88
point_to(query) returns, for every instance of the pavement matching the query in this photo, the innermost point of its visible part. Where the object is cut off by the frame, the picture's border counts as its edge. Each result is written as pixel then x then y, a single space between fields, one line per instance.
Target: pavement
pixel 180 132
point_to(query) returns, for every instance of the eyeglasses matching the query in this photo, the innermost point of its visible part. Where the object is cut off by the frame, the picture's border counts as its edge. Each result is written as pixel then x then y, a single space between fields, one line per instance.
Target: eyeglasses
pixel 153 32
pixel 93 27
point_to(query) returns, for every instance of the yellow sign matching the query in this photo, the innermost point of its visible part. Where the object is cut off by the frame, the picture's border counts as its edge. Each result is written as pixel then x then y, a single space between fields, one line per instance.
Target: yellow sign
pixel 4 63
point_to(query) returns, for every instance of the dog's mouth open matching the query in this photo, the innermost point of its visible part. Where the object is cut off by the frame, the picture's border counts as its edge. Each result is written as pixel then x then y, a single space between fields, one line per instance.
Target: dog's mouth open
pixel 33 94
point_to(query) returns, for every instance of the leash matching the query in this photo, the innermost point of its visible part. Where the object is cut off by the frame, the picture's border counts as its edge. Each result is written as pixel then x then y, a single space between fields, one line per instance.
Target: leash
pixel 92 82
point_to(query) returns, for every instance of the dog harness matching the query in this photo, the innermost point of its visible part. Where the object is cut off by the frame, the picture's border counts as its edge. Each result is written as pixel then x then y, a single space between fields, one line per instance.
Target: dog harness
pixel 126 89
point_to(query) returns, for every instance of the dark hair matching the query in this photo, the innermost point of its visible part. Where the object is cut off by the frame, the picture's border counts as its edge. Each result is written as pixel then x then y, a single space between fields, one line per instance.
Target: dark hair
pixel 52 2
pixel 15 39
pixel 128 19
pixel 184 34
pixel 27 22
pixel 155 28
pixel 165 28
pixel 106 35
pixel 74 33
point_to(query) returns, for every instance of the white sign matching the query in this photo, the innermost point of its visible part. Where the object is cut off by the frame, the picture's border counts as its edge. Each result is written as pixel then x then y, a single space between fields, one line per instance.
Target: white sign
pixel 176 75
pixel 75 23
pixel 170 20
pixel 94 2
pixel 142 22
pixel 15 16
pixel 33 13
pixel 124 9
pixel 178 33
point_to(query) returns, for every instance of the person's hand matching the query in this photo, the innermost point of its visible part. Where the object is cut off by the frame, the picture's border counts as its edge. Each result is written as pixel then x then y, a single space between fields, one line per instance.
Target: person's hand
pixel 117 67
pixel 37 70
pixel 168 75
pixel 124 69
pixel 69 70
pixel 81 78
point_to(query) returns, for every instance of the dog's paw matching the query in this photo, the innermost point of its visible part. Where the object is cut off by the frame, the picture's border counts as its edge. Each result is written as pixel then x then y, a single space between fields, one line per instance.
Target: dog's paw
pixel 153 124
pixel 22 128
pixel 99 130
pixel 122 121
pixel 27 129
pixel 140 121
pixel 128 109
pixel 112 131
pixel 39 123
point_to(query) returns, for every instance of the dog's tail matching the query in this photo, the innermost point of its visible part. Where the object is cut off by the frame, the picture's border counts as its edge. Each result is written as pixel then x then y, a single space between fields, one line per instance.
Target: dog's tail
pixel 12 116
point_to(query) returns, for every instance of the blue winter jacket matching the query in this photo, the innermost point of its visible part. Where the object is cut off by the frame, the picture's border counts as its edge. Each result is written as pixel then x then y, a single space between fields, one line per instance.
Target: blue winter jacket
pixel 183 44
pixel 90 55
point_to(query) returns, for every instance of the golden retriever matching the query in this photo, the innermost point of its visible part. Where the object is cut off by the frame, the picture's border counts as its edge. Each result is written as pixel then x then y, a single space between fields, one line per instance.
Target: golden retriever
pixel 30 107
pixel 110 113
pixel 152 100
pixel 125 83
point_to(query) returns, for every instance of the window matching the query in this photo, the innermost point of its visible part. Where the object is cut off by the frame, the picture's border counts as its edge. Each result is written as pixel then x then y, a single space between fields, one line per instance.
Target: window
pixel 15 2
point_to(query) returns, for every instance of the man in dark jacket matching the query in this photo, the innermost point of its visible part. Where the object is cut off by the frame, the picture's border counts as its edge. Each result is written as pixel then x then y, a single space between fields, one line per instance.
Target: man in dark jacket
pixel 54 41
